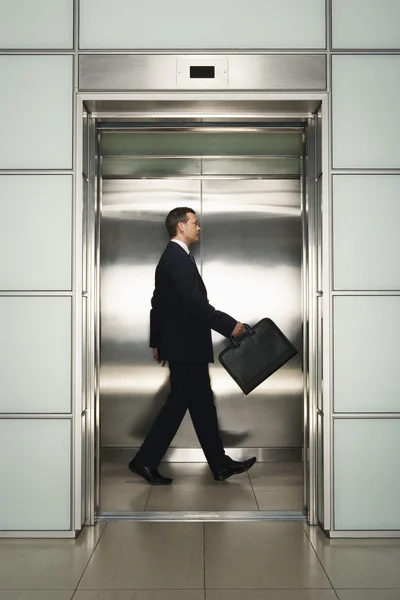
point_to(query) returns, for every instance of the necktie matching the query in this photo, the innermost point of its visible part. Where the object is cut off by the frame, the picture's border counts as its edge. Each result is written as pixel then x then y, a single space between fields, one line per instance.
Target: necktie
pixel 192 258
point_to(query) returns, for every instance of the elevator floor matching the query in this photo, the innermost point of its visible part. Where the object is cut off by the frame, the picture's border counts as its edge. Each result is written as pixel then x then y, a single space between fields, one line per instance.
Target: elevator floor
pixel 266 487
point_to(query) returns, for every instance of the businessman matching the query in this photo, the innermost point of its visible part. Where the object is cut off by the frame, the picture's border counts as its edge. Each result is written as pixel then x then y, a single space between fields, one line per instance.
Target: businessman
pixel 181 320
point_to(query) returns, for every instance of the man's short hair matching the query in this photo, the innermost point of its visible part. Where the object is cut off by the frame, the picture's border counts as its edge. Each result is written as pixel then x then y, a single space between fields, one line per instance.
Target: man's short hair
pixel 177 215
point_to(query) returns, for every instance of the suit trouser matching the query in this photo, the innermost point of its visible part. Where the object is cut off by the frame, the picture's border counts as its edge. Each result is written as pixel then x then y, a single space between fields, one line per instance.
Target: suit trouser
pixel 190 389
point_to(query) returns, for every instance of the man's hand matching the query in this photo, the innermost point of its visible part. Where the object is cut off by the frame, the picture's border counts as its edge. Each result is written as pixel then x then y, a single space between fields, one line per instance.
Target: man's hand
pixel 239 329
pixel 155 356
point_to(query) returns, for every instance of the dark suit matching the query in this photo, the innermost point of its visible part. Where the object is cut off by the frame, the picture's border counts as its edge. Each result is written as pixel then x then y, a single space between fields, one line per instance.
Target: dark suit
pixel 181 320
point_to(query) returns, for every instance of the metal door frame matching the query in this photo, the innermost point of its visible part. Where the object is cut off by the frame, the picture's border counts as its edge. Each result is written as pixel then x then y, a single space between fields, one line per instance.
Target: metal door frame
pixel 85 453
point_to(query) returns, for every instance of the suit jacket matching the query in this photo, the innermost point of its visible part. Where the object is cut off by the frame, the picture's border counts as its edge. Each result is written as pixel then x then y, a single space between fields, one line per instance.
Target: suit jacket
pixel 181 317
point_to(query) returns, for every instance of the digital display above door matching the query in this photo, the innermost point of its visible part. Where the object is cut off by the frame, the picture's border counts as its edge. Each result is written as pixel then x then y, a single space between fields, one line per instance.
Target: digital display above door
pixel 202 72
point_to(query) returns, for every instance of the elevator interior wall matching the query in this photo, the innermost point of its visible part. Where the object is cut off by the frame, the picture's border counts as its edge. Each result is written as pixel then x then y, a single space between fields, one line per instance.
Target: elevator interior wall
pixel 246 187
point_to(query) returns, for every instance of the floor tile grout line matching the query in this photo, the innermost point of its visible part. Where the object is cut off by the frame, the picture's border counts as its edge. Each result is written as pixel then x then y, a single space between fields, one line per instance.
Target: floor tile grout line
pixel 254 493
pixel 224 589
pixel 283 589
pixel 320 561
pixel 141 589
pixel 90 558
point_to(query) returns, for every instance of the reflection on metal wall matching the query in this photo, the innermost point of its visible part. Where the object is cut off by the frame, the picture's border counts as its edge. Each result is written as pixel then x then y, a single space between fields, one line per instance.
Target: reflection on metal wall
pixel 250 256
pixel 252 242
pixel 133 236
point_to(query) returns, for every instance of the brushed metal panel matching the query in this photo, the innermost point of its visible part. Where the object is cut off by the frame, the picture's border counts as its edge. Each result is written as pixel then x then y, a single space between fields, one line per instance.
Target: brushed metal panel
pixel 130 72
pixel 251 251
pixel 277 72
pixel 132 386
pixel 125 167
pixel 277 166
pixel 252 244
pixel 234 109
pixel 128 166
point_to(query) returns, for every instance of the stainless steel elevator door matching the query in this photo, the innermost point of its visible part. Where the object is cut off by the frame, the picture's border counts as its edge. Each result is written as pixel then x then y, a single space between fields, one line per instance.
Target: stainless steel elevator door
pixel 132 238
pixel 252 247
pixel 250 258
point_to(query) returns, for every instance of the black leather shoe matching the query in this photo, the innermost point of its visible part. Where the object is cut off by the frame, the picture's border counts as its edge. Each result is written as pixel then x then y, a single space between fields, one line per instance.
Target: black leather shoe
pixel 234 468
pixel 152 476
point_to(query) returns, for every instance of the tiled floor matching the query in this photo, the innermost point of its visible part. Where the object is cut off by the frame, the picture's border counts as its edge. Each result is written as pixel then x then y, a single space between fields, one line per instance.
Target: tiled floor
pixel 267 486
pixel 200 561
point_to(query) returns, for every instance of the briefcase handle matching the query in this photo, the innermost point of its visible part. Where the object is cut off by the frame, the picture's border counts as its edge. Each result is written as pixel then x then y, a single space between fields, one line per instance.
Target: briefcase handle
pixel 250 331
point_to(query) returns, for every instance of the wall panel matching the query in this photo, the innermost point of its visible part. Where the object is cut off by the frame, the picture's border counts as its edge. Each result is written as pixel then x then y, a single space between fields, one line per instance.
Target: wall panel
pixel 35 354
pixel 35 463
pixel 36 105
pixel 42 24
pixel 365 97
pixel 230 24
pixel 366 340
pixel 35 232
pixel 366 244
pixel 366 25
pixel 367 474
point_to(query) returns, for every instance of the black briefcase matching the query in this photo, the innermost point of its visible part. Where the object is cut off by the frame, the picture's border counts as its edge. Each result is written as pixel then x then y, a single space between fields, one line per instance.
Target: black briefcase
pixel 252 357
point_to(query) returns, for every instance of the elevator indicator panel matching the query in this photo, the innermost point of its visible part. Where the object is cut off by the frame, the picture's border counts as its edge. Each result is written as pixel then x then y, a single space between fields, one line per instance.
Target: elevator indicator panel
pixel 202 72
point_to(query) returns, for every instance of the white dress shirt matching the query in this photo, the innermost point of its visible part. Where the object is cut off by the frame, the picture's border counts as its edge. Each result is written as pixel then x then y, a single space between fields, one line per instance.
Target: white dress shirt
pixel 182 244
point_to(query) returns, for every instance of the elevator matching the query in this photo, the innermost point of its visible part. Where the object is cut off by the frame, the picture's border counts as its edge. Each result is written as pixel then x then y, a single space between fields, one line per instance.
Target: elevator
pixel 252 184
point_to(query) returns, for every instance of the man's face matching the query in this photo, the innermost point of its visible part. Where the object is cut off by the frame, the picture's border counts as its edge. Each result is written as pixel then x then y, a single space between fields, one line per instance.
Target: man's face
pixel 191 229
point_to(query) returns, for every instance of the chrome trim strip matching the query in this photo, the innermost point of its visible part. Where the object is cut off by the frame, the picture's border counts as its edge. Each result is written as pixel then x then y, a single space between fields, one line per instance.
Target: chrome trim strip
pixel 96 297
pixel 206 177
pixel 327 281
pixel 312 318
pixel 305 318
pixel 216 96
pixel 211 127
pixel 91 464
pixel 199 156
pixel 200 516
pixel 77 273
pixel 265 114
pixel 327 301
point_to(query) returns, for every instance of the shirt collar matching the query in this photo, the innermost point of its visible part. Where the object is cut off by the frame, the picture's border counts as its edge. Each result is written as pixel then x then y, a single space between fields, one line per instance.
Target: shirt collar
pixel 182 244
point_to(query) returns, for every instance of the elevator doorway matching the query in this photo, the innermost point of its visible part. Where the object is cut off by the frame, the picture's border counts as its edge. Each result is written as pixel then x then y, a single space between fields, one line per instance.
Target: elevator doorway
pixel 252 186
